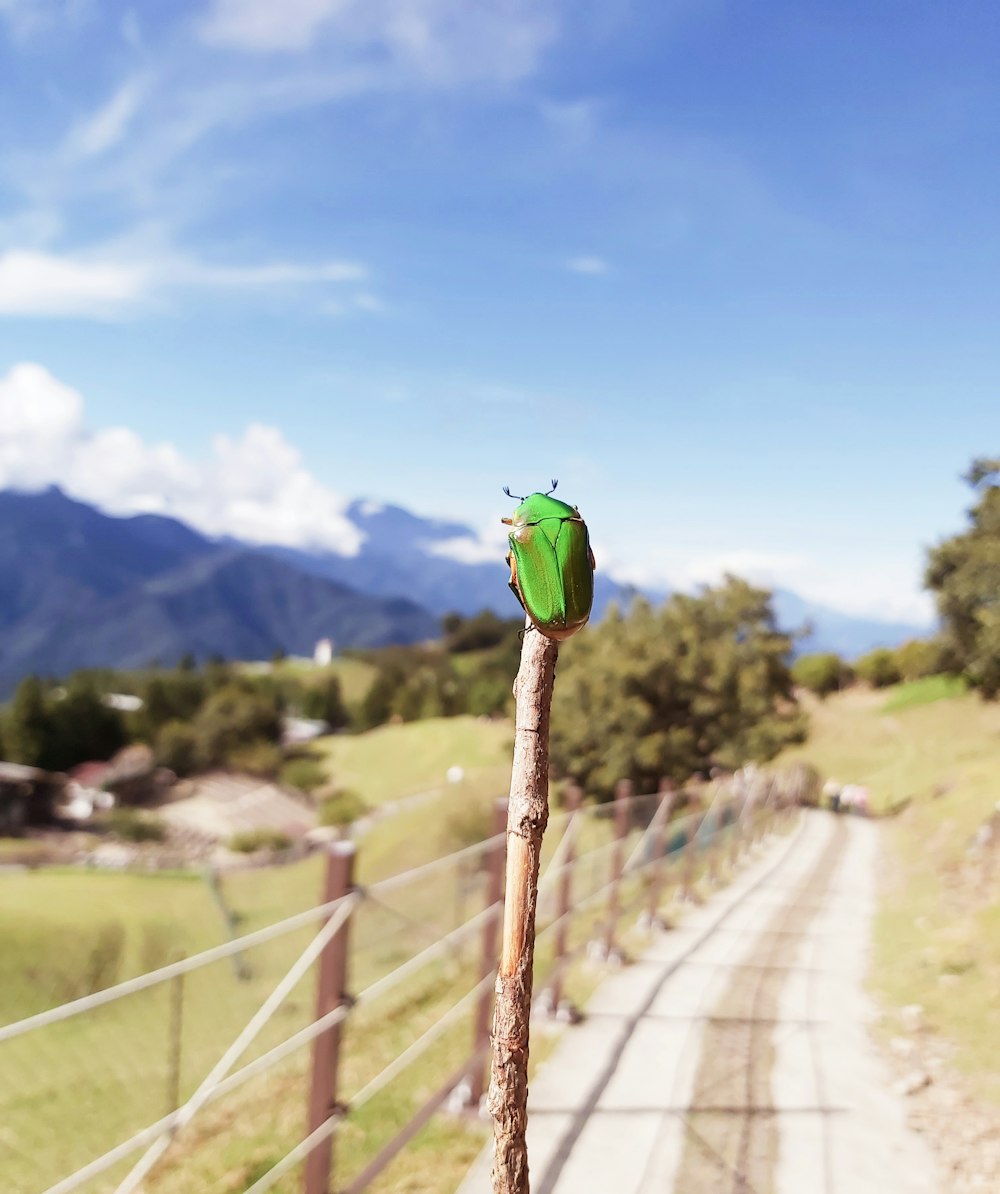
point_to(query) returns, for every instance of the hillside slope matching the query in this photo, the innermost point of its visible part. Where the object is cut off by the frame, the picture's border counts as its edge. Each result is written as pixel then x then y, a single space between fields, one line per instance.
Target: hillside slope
pixel 938 932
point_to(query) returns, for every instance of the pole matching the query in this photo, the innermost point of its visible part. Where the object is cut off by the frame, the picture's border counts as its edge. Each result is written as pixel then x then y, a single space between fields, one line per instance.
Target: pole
pixel 175 1034
pixel 331 994
pixel 574 798
pixel 623 798
pixel 494 893
pixel 527 816
pixel 667 798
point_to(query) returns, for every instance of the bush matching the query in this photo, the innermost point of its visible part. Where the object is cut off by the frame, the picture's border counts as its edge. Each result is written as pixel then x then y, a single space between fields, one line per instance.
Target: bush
pixel 342 808
pixel 233 719
pixel 878 668
pixel 133 826
pixel 262 759
pixel 821 673
pixel 306 773
pixel 920 657
pixel 249 841
pixel 177 747
pixel 325 702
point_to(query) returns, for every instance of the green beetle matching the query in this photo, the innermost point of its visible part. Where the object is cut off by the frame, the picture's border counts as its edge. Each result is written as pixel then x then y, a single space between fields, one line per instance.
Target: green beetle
pixel 551 564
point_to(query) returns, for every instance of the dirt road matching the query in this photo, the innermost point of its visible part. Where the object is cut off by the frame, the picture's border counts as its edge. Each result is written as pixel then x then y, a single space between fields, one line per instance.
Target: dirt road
pixel 733 1056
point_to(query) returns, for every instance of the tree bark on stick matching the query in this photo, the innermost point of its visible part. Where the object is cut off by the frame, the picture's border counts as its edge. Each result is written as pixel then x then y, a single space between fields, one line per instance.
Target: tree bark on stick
pixel 527 816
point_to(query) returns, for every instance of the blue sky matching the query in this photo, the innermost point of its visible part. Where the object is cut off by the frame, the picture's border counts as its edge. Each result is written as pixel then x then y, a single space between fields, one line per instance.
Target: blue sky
pixel 729 270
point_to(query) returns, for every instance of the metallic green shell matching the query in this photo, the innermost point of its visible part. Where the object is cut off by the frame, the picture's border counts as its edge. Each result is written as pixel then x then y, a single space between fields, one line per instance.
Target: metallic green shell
pixel 552 567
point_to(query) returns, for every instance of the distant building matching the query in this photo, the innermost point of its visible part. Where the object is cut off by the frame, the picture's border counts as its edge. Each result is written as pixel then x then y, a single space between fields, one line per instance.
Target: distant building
pixel 296 730
pixel 323 655
pixel 124 702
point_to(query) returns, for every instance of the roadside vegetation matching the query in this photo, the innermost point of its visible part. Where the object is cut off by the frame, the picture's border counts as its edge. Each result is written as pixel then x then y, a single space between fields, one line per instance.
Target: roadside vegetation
pixel 931 752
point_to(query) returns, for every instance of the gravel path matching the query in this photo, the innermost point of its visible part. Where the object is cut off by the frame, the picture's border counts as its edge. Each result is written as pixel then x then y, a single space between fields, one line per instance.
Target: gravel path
pixel 733 1056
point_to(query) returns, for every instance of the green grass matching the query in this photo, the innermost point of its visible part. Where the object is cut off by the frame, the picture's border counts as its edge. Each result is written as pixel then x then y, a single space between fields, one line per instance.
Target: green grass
pixel 72 1090
pixel 924 692
pixel 400 760
pixel 937 933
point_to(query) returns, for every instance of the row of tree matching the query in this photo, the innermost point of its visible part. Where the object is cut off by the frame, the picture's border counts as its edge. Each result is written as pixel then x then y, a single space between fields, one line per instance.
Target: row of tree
pixel 221 714
pixel 824 671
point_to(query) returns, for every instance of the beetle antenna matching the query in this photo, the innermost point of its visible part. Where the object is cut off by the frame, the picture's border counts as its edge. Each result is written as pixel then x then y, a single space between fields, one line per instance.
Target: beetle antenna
pixel 507 491
pixel 555 484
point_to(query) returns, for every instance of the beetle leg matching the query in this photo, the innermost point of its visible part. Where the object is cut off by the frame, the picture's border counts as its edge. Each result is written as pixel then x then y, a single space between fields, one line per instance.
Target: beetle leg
pixel 512 583
pixel 593 562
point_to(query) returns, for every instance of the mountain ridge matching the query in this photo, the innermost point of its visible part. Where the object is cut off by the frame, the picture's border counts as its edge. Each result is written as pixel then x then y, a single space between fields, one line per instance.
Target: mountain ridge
pixel 79 587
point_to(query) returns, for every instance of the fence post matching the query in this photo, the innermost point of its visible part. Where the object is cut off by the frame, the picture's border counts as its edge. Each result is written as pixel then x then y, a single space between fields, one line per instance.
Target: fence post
pixel 491 929
pixel 331 994
pixel 574 798
pixel 175 1039
pixel 623 793
pixel 691 840
pixel 667 798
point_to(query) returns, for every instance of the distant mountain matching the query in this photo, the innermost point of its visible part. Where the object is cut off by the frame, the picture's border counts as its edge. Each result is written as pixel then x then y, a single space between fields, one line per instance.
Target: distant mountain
pixel 833 630
pixel 81 589
pixel 402 553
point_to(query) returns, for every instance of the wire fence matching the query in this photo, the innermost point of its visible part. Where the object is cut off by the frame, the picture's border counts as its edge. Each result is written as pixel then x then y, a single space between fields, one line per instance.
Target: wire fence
pixel 201 1073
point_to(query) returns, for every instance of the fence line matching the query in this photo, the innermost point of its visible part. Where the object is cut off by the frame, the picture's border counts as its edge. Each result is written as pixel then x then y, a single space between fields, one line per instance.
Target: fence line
pixel 653 849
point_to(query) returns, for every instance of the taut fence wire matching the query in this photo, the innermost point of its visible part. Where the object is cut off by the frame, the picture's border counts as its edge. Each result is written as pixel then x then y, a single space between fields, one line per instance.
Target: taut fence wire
pixel 129 1087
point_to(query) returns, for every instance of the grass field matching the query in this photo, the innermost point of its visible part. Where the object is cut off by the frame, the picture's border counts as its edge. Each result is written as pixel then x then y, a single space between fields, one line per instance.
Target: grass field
pixel 938 930
pixel 396 761
pixel 74 1089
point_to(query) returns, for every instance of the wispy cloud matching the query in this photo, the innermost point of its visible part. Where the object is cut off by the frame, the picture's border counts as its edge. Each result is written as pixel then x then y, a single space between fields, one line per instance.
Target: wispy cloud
pixel 27 18
pixel 589 265
pixel 444 41
pixel 107 126
pixel 100 287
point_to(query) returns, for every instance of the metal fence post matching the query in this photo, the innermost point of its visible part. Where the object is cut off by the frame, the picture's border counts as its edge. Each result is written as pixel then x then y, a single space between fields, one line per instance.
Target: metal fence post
pixel 491 930
pixel 331 994
pixel 667 798
pixel 623 793
pixel 574 798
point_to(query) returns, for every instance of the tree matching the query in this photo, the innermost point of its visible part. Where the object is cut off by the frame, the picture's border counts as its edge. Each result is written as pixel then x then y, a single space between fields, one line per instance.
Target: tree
pixel 30 734
pixel 964 574
pixel 878 668
pixel 84 727
pixel 325 701
pixel 920 657
pixel 232 719
pixel 57 730
pixel 652 692
pixel 178 748
pixel 822 673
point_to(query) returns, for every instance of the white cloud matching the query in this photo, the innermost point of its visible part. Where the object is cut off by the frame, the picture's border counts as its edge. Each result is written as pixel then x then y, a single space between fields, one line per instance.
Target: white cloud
pixel 47 284
pixel 594 266
pixel 42 284
pixel 253 486
pixel 886 590
pixel 467 549
pixel 108 125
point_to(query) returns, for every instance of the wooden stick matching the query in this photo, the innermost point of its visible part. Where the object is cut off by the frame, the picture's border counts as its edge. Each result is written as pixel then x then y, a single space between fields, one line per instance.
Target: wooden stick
pixel 527 816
